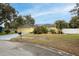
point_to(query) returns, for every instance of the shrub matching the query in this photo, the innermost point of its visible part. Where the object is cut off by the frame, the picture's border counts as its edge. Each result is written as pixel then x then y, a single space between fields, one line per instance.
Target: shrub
pixel 40 30
pixel 37 30
pixel 53 31
pixel 44 29
pixel 7 31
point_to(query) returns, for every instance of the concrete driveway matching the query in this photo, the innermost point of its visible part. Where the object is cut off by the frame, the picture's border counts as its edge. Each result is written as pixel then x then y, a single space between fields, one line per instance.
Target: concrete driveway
pixel 8 36
pixel 8 48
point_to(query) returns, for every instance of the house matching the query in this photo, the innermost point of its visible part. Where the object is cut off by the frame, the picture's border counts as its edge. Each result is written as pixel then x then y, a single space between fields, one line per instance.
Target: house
pixel 25 30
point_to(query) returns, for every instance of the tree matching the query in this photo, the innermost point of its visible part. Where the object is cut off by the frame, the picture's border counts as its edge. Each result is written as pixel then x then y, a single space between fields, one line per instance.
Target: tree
pixel 7 13
pixel 61 24
pixel 7 25
pixel 29 20
pixel 8 16
pixel 74 22
pixel 18 22
pixel 75 10
pixel 22 21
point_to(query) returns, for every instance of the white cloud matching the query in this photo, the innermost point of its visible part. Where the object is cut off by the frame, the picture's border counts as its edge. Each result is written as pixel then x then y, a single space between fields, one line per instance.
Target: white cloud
pixel 36 10
pixel 65 9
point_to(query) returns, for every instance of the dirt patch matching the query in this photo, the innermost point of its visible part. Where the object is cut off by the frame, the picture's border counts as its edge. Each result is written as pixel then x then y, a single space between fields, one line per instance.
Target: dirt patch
pixel 68 43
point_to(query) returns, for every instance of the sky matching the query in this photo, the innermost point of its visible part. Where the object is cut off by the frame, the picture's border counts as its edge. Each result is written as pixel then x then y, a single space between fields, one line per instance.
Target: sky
pixel 45 13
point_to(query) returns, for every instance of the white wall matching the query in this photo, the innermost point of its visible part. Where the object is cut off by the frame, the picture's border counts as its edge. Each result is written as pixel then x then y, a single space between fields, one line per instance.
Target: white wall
pixel 70 31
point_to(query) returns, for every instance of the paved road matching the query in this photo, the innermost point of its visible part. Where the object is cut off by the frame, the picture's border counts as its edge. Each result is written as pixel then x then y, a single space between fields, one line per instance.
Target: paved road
pixel 8 37
pixel 8 48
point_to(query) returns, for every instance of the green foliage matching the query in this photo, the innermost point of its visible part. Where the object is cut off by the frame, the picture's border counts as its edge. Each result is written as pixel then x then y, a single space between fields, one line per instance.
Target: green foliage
pixel 8 16
pixel 18 22
pixel 61 24
pixel 7 31
pixel 37 30
pixel 29 20
pixel 74 22
pixel 75 10
pixel 52 31
pixel 7 12
pixel 7 25
pixel 40 30
pixel 23 21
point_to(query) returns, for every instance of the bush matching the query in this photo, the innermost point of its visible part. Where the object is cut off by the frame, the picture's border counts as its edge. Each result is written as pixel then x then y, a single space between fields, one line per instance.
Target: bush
pixel 44 29
pixel 52 31
pixel 37 30
pixel 40 30
pixel 7 31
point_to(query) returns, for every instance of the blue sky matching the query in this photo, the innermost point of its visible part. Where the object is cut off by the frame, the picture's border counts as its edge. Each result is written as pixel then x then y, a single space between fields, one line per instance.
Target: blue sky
pixel 45 13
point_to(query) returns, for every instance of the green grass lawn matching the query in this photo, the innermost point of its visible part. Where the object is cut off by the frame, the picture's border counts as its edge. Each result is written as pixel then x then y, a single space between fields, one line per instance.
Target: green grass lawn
pixel 3 33
pixel 65 42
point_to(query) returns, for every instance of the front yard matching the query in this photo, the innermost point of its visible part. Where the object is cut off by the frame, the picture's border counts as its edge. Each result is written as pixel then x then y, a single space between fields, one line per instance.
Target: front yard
pixel 65 42
pixel 3 33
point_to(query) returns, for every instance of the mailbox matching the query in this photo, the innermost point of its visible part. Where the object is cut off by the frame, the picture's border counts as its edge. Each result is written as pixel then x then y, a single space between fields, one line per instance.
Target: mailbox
pixel 20 33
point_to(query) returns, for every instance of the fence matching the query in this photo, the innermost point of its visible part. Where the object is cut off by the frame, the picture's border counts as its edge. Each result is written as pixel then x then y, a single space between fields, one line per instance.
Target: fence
pixel 70 31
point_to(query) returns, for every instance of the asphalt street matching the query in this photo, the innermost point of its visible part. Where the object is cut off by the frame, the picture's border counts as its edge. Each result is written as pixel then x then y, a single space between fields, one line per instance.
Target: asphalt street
pixel 8 48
